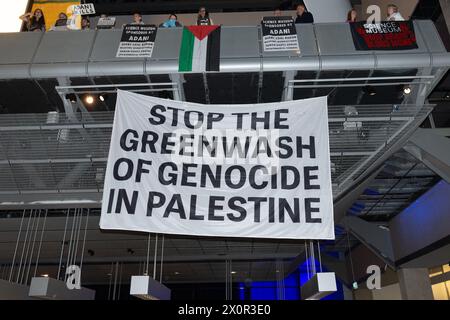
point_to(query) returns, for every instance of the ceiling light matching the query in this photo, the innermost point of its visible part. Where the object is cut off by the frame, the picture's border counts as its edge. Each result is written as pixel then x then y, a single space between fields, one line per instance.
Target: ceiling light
pixel 71 97
pixel 44 275
pixel 89 99
pixel 102 97
pixel 233 272
pixel 176 273
pixel 407 90
pixel 369 90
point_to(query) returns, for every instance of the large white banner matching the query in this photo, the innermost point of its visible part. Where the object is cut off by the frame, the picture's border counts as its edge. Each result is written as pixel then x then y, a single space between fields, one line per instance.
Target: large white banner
pixel 256 170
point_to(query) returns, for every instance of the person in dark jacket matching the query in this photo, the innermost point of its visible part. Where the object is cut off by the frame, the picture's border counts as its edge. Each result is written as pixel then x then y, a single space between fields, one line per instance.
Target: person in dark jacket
pixel 303 15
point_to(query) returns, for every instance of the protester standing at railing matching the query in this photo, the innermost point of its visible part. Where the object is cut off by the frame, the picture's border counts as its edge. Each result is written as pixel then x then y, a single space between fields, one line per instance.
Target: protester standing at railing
pixel 60 23
pixel 172 22
pixel 203 18
pixel 85 23
pixel 393 14
pixel 137 18
pixel 34 21
pixel 352 16
pixel 277 12
pixel 303 15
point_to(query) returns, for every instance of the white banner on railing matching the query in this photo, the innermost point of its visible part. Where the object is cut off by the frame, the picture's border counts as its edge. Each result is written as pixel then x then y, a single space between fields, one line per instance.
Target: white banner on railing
pixel 256 170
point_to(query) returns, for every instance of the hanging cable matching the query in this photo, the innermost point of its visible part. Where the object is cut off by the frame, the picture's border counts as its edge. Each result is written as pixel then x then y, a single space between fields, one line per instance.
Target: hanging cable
pixel 162 260
pixel 69 253
pixel 227 274
pixel 350 255
pixel 313 258
pixel 148 255
pixel 62 245
pixel 84 239
pixel 320 255
pixel 23 249
pixel 17 245
pixel 120 280
pixel 27 252
pixel 38 219
pixel 110 280
pixel 307 260
pixel 40 243
pixel 77 238
pixel 154 258
pixel 116 272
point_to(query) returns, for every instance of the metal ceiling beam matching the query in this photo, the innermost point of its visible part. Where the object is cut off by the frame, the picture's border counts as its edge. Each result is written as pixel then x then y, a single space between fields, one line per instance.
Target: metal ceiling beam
pixel 377 239
pixel 433 150
pixel 288 90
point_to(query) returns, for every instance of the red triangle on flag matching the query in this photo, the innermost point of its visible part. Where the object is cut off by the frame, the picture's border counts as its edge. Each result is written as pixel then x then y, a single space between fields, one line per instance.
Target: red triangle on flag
pixel 200 32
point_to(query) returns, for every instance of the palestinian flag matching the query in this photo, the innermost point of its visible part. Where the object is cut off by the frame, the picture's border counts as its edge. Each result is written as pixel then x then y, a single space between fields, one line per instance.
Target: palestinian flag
pixel 200 49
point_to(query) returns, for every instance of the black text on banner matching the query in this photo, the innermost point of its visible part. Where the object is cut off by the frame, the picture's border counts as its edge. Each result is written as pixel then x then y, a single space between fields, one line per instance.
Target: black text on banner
pixel 137 41
pixel 279 34
pixel 260 171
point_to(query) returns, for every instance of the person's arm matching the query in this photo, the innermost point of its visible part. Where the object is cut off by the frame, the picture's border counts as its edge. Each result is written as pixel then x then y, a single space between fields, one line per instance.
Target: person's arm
pixel 26 16
pixel 211 21
pixel 399 17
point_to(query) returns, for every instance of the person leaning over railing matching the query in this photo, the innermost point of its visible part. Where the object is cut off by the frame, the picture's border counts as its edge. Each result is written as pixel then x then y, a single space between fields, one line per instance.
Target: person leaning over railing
pixel 60 23
pixel 393 14
pixel 203 18
pixel 172 22
pixel 34 21
pixel 85 23
pixel 352 16
pixel 137 18
pixel 303 15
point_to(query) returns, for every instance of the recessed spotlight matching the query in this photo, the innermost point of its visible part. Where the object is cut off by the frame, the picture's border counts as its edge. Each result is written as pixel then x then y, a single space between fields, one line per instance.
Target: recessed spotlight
pixel 407 90
pixel 102 97
pixel 233 272
pixel 89 99
pixel 45 275
pixel 176 273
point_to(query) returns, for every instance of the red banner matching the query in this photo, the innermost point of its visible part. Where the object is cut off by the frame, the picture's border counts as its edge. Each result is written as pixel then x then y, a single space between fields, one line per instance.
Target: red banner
pixel 392 35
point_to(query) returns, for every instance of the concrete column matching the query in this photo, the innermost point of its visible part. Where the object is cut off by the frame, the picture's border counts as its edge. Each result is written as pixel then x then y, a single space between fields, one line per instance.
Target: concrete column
pixel 415 284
